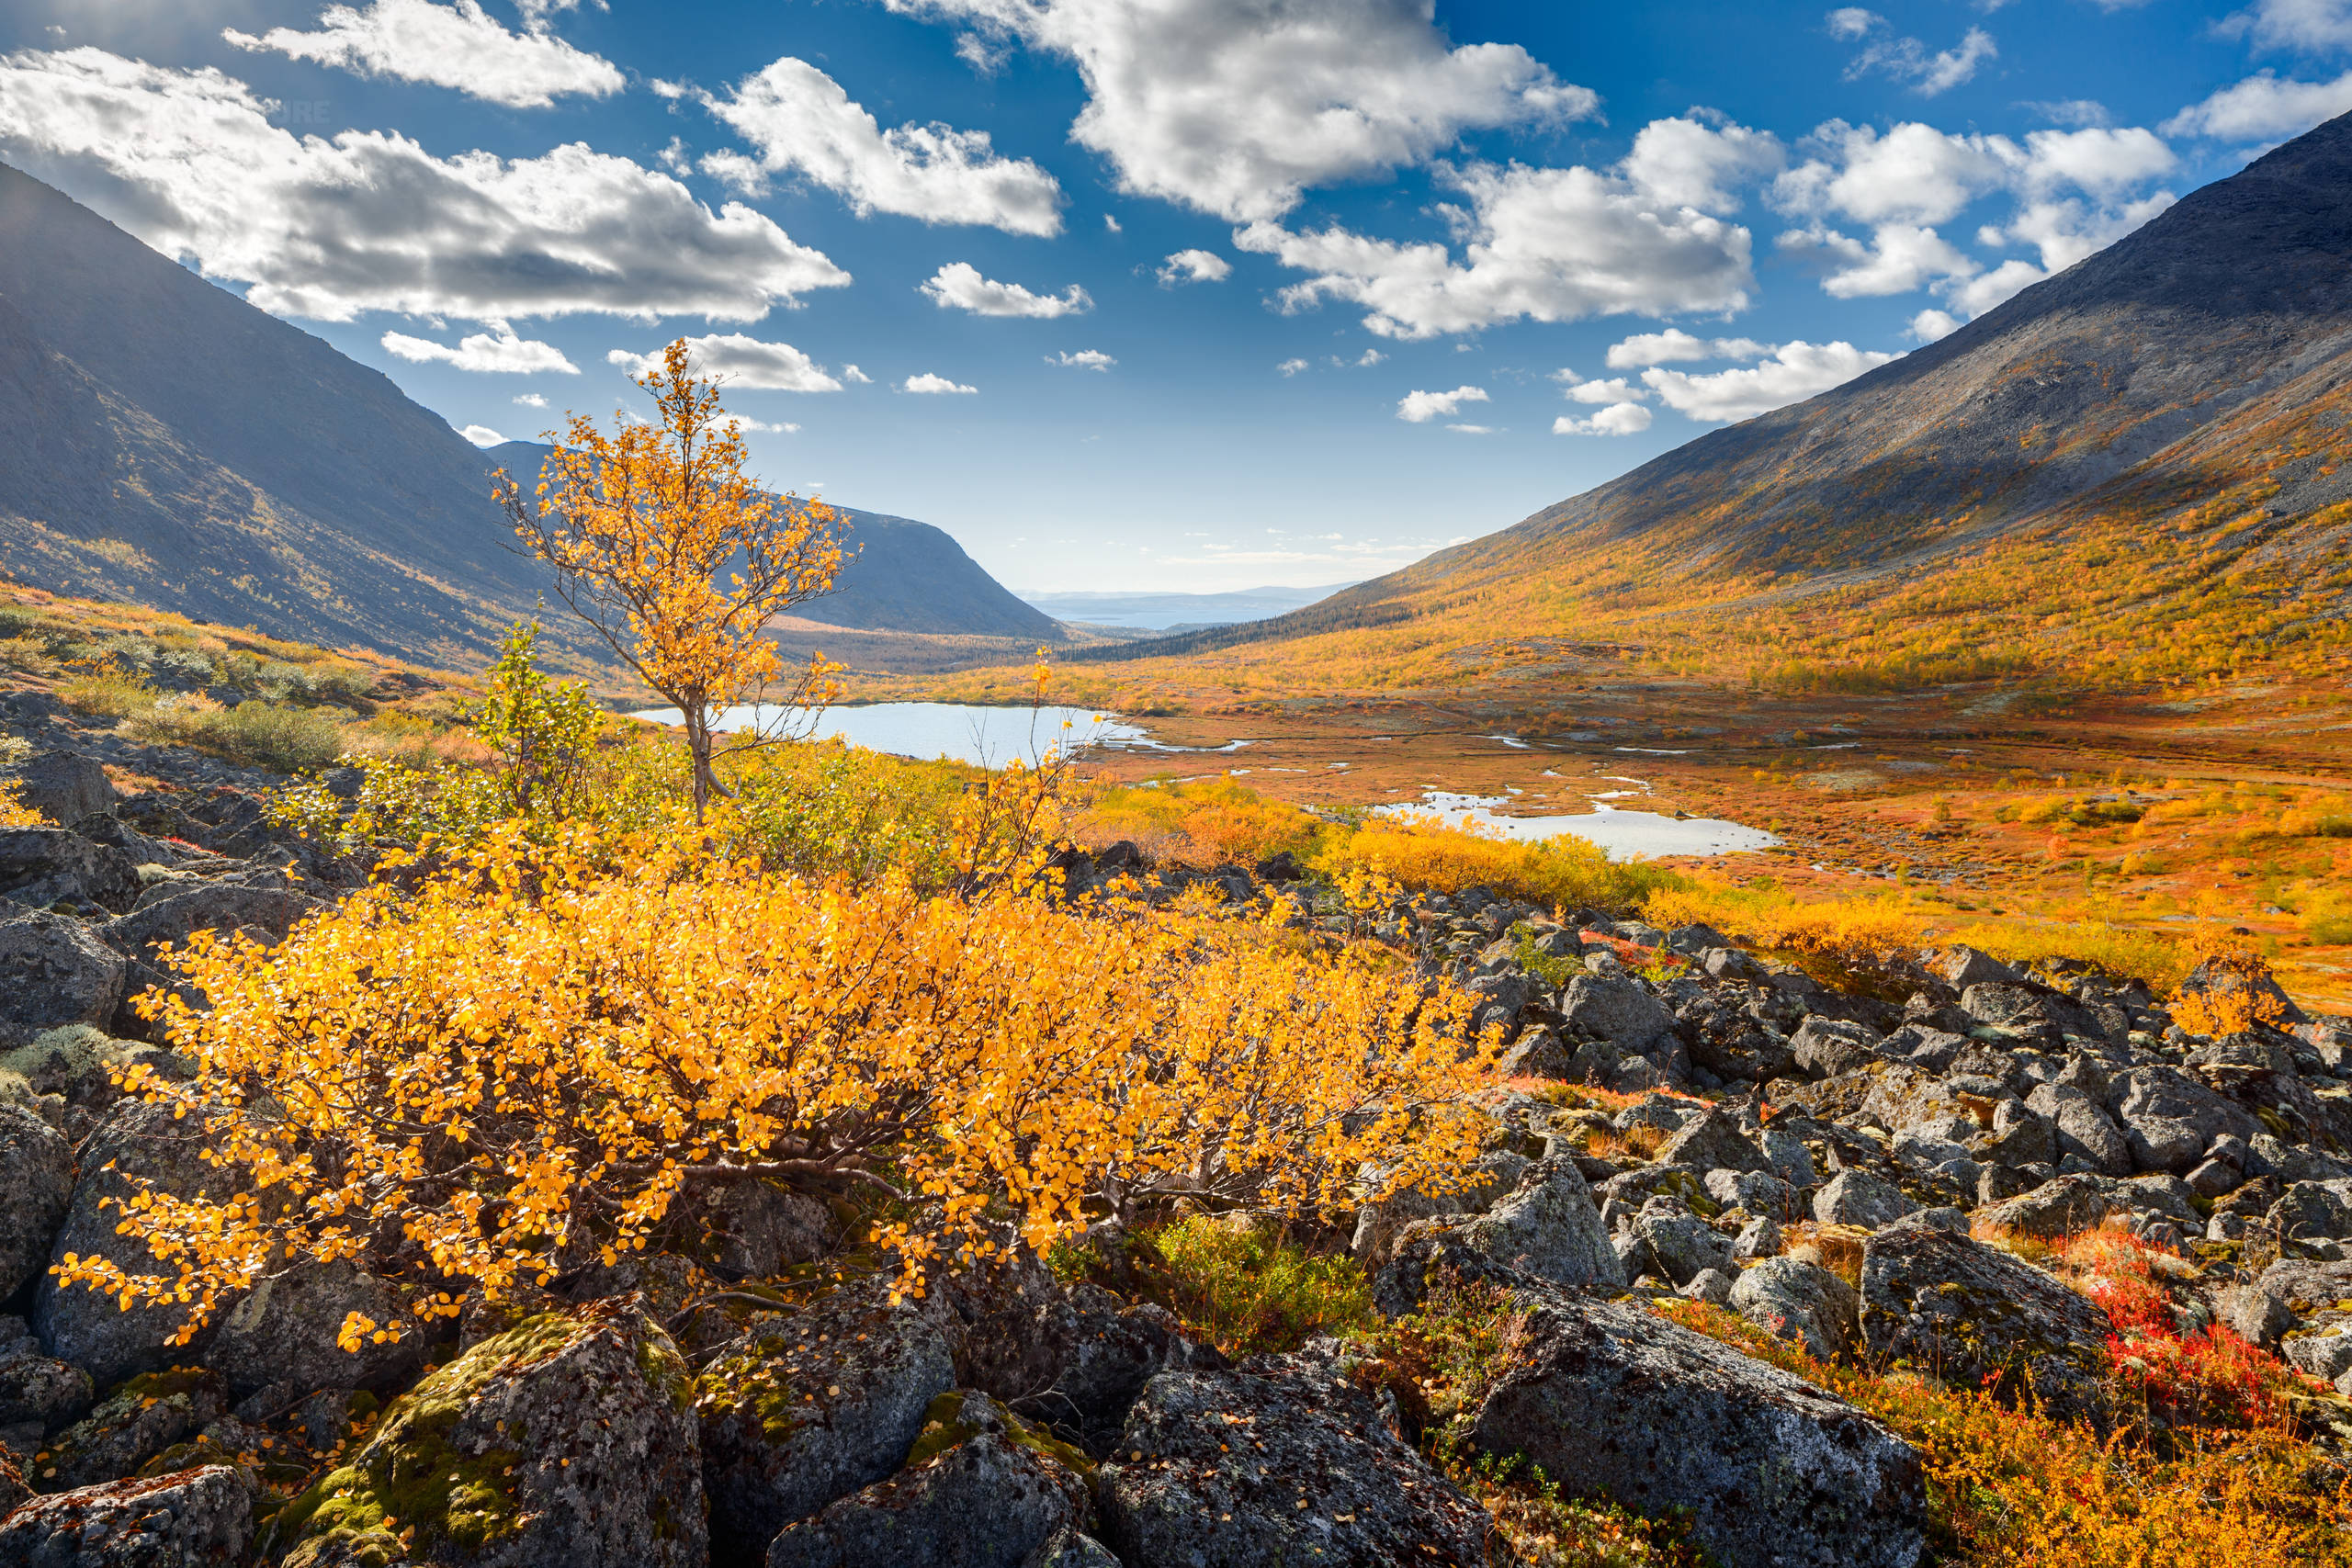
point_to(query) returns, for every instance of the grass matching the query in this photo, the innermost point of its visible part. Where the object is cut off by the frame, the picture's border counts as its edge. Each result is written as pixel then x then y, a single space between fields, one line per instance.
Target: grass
pixel 254 733
pixel 1247 1288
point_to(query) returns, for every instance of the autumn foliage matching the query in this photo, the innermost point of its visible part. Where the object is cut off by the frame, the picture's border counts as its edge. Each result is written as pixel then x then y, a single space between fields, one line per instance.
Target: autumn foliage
pixel 518 1069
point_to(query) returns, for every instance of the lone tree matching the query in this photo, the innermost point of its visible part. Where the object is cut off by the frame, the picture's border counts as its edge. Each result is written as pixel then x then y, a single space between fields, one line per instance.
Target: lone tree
pixel 677 559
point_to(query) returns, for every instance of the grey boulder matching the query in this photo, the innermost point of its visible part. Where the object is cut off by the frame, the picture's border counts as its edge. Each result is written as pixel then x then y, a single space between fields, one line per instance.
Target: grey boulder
pixel 983 1492
pixel 63 786
pixel 36 1186
pixel 1802 1302
pixel 53 973
pixel 1944 1304
pixel 196 1518
pixel 285 1330
pixel 1281 1459
pixel 1611 1399
pixel 1548 1227
pixel 1714 1142
pixel 1617 1009
pixel 1855 1197
pixel 800 1411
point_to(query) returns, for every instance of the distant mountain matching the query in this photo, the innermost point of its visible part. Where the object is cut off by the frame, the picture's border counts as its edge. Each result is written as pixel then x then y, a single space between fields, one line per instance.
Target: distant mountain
pixel 905 577
pixel 164 442
pixel 1164 612
pixel 2179 398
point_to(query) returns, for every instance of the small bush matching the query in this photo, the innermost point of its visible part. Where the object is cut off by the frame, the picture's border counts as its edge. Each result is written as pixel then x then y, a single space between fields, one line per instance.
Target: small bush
pixel 110 691
pixel 252 734
pixel 1246 1290
pixel 1561 873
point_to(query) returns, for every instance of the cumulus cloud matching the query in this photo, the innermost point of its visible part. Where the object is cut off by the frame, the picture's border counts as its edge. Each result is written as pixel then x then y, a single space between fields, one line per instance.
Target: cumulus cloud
pixel 368 221
pixel 1084 359
pixel 1701 161
pixel 802 122
pixel 927 382
pixel 959 286
pixel 482 436
pixel 1472 429
pixel 1290 367
pixel 1796 371
pixel 1195 266
pixel 852 374
pixel 2264 108
pixel 1616 390
pixel 531 400
pixel 2314 26
pixel 1237 107
pixel 1617 419
pixel 1674 344
pixel 740 361
pixel 746 422
pixel 2073 190
pixel 1929 325
pixel 458 45
pixel 496 352
pixel 1546 244
pixel 1419 408
pixel 1906 59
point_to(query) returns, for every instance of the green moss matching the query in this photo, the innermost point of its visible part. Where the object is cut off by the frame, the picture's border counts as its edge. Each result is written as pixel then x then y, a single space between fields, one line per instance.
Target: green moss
pixel 944 1428
pixel 411 1473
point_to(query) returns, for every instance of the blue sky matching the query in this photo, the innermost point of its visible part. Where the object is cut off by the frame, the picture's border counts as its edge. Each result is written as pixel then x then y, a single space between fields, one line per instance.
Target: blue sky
pixel 1152 294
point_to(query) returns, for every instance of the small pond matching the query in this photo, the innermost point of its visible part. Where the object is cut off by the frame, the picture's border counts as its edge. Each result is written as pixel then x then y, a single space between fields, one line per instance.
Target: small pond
pixel 1623 834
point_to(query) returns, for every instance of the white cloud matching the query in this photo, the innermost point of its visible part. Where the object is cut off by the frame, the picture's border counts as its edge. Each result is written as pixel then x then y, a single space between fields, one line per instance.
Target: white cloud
pixel 1796 371
pixel 1701 161
pixel 1369 358
pixel 740 361
pixel 1675 345
pixel 802 121
pixel 1290 367
pixel 1906 59
pixel 2066 231
pixel 748 423
pixel 2263 108
pixel 326 228
pixel 1617 419
pixel 852 374
pixel 458 46
pixel 2315 27
pixel 927 382
pixel 498 351
pixel 1472 429
pixel 1084 359
pixel 1616 390
pixel 1547 244
pixel 1929 325
pixel 959 286
pixel 1110 223
pixel 1899 258
pixel 1972 297
pixel 1237 106
pixel 1912 173
pixel 1195 266
pixel 482 436
pixel 1419 408
pixel 531 400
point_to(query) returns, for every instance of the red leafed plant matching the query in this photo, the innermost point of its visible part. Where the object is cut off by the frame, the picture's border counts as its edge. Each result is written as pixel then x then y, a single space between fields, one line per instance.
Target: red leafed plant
pixel 2208 1376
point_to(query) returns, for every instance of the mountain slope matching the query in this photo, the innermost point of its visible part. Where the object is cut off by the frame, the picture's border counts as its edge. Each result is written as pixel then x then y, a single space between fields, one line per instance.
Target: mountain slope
pixel 905 577
pixel 161 441
pixel 2180 389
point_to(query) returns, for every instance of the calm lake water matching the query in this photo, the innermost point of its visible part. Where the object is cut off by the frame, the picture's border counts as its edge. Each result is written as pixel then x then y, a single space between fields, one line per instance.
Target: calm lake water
pixel 1623 834
pixel 962 732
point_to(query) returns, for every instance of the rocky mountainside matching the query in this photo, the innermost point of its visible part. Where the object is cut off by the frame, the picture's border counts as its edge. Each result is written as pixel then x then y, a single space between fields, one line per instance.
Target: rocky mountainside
pixel 2207 355
pixel 172 446
pixel 906 576
pixel 1819 1161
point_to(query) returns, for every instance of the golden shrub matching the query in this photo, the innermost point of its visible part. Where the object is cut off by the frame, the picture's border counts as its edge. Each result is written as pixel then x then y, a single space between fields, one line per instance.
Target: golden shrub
pixel 517 1067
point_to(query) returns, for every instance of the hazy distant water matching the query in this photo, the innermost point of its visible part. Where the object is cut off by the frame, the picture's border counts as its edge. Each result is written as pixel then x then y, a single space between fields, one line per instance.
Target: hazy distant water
pixel 962 732
pixel 1620 833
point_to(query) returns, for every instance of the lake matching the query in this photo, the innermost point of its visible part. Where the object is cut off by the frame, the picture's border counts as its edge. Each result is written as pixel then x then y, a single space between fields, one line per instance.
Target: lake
pixel 962 732
pixel 1620 832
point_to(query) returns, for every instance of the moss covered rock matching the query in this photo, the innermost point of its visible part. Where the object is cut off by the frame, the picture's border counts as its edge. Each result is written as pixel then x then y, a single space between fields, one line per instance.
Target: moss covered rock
pixel 980 1489
pixel 568 1441
pixel 804 1409
pixel 36 1184
pixel 136 1421
pixel 196 1518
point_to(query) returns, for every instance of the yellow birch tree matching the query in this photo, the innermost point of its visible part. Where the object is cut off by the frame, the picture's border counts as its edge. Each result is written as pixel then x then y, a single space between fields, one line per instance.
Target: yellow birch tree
pixel 678 560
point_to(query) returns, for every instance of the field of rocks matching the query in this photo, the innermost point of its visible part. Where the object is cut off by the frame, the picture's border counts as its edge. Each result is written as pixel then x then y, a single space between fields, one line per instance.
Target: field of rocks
pixel 1893 1172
